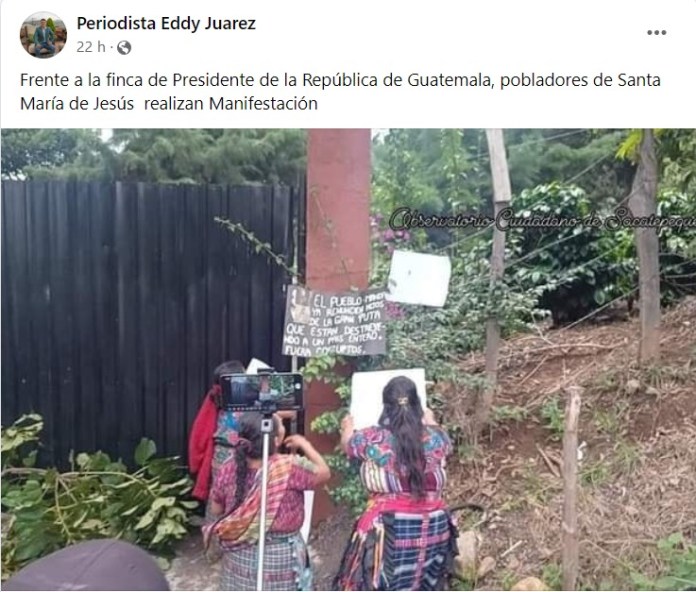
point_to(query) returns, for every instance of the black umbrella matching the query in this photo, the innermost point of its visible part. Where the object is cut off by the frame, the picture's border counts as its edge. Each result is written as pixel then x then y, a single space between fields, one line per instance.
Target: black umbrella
pixel 105 564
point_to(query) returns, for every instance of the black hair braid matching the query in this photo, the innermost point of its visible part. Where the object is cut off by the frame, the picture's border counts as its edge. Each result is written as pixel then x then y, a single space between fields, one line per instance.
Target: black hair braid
pixel 403 417
pixel 241 473
pixel 250 447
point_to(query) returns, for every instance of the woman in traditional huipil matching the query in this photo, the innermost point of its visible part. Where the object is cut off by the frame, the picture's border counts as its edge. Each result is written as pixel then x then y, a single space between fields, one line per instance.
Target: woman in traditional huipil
pixel 236 503
pixel 406 539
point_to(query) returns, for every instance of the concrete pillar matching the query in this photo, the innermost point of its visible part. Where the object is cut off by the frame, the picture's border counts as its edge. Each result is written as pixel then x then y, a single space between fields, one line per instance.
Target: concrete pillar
pixel 338 241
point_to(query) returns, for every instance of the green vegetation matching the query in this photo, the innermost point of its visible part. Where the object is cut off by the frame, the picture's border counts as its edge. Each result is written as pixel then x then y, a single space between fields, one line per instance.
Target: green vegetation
pixel 462 585
pixel 626 457
pixel 552 576
pixel 553 416
pixel 566 273
pixel 47 510
pixel 505 413
pixel 508 579
pixel 579 268
pixel 231 156
pixel 611 422
pixel 594 474
pixel 679 572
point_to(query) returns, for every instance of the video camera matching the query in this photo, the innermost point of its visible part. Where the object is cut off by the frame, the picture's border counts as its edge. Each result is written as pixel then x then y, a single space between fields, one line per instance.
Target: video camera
pixel 266 392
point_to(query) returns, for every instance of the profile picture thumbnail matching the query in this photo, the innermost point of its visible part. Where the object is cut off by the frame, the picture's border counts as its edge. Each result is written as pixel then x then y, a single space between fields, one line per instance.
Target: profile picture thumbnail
pixel 43 35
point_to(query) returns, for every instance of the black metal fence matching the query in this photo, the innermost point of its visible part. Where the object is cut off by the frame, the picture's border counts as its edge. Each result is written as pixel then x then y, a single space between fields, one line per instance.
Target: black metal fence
pixel 118 300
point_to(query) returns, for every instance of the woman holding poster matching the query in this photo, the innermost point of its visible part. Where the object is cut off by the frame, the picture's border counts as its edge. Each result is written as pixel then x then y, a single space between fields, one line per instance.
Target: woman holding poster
pixel 405 539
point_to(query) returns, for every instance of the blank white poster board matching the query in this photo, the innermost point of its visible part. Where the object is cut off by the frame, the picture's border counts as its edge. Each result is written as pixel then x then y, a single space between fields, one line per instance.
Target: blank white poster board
pixel 308 507
pixel 419 278
pixel 256 365
pixel 366 393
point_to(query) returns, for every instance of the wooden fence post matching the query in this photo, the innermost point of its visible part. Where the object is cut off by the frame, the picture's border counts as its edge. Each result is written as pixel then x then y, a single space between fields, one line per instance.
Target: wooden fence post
pixel 570 489
pixel 501 198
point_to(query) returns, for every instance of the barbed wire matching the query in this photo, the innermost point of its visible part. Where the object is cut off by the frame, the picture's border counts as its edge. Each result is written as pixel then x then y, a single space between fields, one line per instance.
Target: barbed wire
pixel 530 206
pixel 618 298
pixel 482 155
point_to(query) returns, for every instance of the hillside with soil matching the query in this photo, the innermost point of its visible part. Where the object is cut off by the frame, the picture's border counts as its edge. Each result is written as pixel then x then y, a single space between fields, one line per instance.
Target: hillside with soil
pixel 637 470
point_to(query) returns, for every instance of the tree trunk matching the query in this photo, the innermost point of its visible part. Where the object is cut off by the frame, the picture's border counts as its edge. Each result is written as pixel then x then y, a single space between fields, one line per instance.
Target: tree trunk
pixel 643 203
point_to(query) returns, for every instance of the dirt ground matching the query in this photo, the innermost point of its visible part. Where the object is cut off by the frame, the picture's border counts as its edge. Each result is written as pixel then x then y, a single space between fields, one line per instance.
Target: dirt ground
pixel 637 471
pixel 192 571
pixel 638 453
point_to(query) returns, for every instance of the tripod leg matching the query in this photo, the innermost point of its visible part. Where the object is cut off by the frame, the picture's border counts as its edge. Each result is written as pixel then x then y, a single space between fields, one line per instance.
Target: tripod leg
pixel 266 428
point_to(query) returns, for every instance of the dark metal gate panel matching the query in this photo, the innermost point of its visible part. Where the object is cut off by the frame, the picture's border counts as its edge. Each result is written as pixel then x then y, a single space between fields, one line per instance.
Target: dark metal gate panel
pixel 119 299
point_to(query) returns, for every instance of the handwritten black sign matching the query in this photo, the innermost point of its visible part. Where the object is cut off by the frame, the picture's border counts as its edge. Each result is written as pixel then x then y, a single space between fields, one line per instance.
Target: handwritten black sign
pixel 346 324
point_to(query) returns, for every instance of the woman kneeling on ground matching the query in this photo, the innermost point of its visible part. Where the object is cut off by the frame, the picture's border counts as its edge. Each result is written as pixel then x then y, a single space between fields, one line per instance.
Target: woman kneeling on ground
pixel 405 539
pixel 236 500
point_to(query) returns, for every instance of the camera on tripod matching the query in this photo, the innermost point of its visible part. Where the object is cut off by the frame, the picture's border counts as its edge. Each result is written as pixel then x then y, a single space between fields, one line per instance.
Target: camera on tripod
pixel 266 392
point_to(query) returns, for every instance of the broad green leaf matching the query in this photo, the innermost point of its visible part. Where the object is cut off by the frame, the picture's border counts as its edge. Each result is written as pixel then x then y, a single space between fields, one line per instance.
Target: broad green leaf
pixel 163 502
pixel 93 524
pixel 175 513
pixel 31 548
pixel 30 459
pixel 145 450
pixel 146 520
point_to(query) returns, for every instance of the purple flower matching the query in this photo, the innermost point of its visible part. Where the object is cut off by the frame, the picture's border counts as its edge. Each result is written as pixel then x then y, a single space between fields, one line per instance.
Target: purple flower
pixel 388 234
pixel 393 310
pixel 399 234
pixel 407 235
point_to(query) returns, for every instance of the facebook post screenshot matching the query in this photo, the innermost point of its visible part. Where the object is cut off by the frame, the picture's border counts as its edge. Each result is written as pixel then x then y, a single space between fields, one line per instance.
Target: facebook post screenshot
pixel 318 296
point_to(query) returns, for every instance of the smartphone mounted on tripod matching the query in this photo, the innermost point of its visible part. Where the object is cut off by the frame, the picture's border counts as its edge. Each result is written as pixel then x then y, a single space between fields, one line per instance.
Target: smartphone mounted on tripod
pixel 266 392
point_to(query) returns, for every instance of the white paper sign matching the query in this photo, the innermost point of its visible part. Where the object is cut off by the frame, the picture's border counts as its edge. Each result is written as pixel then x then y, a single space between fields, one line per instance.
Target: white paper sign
pixel 366 393
pixel 256 365
pixel 419 278
pixel 308 507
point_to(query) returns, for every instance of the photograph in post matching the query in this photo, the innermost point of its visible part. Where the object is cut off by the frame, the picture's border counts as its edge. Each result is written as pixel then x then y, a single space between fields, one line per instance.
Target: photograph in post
pixel 200 324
